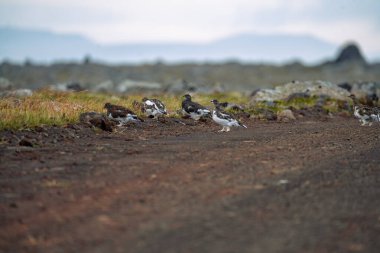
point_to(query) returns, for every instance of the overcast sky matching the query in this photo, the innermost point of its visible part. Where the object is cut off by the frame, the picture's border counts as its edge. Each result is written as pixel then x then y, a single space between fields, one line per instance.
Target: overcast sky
pixel 119 21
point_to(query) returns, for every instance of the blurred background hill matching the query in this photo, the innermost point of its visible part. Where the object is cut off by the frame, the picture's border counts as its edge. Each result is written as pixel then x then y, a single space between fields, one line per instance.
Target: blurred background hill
pixel 347 65
pixel 178 46
pixel 47 47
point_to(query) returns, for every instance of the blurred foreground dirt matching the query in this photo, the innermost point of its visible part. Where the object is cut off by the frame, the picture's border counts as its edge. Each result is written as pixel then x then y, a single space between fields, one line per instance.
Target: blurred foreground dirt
pixel 305 186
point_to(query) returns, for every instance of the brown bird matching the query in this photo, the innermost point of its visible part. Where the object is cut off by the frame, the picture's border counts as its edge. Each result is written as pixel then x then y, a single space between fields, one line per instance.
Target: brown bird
pixel 121 114
pixel 193 109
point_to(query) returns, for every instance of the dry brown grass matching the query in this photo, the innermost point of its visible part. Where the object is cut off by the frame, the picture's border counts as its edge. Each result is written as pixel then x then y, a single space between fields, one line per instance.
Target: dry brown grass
pixel 47 107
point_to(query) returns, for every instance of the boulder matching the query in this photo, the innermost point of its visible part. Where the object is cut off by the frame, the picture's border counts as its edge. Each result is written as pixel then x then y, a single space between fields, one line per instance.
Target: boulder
pixel 345 86
pixel 69 86
pixel 133 86
pixel 5 84
pixel 285 116
pixel 266 114
pixel 365 88
pixel 105 86
pixel 181 86
pixel 19 93
pixel 367 92
pixel 309 88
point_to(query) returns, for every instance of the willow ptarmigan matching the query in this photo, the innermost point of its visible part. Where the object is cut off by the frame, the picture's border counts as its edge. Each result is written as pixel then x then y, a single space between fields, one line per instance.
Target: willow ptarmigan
pixel 193 109
pixel 224 119
pixel 153 108
pixel 366 114
pixel 121 114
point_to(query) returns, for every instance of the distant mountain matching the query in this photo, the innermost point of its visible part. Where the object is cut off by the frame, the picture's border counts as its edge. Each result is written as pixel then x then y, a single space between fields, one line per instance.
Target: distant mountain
pixel 44 46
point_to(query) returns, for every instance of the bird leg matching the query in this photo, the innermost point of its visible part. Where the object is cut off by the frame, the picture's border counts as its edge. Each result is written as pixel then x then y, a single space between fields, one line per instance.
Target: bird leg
pixel 228 129
pixel 222 130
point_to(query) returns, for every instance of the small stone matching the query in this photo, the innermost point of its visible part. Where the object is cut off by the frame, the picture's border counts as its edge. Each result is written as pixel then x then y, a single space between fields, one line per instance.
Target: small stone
pixel 26 143
pixel 282 181
pixel 285 115
pixel 13 205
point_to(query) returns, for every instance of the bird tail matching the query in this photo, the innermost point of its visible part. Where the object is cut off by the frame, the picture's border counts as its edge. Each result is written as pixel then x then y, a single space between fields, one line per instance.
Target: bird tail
pixel 208 114
pixel 240 124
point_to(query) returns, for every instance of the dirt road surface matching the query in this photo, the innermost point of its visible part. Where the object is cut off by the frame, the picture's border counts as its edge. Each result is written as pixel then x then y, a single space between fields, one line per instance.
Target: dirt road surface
pixel 304 186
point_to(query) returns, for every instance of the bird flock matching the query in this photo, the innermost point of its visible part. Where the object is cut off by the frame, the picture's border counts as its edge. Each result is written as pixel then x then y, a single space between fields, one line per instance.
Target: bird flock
pixel 154 108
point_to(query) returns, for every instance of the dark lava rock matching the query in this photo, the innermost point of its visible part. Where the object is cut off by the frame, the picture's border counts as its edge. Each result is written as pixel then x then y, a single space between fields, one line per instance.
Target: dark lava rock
pixel 370 99
pixel 254 92
pixel 350 53
pixel 74 86
pixel 345 86
pixel 25 143
pixel 266 114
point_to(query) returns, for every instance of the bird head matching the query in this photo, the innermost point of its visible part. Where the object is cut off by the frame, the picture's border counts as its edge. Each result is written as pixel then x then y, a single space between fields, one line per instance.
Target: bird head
pixel 187 97
pixel 215 102
pixel 107 105
pixel 144 99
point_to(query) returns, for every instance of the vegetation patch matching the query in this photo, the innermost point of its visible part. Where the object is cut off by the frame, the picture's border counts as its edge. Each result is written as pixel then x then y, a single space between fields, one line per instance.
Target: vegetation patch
pixel 47 107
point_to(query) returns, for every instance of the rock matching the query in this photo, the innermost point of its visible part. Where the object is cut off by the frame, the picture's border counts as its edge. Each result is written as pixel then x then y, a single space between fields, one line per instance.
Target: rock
pixel 26 143
pixel 285 116
pixel 218 88
pixel 298 95
pixel 70 86
pixel 181 86
pixel 132 86
pixel 322 99
pixel 267 114
pixel 282 181
pixel 5 84
pixel 19 93
pixel 367 92
pixel 312 112
pixel 106 86
pixel 231 106
pixel 350 53
pixel 365 88
pixel 345 86
pixel 253 93
pixel 74 87
pixel 312 88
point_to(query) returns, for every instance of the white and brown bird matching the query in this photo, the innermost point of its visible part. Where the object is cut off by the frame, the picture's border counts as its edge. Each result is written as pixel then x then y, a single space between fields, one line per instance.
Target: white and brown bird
pixel 121 114
pixel 366 114
pixel 193 109
pixel 224 119
pixel 153 108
